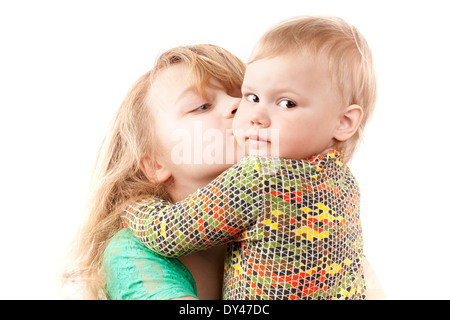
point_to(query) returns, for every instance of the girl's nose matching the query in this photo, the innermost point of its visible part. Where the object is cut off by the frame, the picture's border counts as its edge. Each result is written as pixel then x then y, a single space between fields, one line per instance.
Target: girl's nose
pixel 231 108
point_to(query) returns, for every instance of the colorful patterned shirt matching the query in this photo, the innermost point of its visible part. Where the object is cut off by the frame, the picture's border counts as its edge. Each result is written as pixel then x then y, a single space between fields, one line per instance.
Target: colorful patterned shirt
pixel 293 228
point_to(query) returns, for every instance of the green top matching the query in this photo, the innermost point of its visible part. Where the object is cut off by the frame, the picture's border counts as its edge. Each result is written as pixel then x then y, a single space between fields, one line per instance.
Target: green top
pixel 133 272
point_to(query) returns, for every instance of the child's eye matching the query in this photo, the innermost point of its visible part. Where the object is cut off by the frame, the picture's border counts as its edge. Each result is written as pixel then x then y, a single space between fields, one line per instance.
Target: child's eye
pixel 203 107
pixel 252 98
pixel 287 104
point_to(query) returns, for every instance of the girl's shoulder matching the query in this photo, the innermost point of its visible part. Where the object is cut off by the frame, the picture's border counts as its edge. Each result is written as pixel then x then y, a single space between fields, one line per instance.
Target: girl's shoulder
pixel 124 243
pixel 134 272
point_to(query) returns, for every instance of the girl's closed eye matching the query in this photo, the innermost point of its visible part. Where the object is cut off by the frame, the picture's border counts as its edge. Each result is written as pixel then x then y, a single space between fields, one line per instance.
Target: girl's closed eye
pixel 287 104
pixel 202 108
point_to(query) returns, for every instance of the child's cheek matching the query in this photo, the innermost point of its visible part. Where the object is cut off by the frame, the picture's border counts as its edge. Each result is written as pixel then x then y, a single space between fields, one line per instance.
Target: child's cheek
pixel 238 132
pixel 240 118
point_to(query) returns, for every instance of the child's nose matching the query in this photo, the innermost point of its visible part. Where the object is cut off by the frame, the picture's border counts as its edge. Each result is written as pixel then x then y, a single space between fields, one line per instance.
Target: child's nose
pixel 259 117
pixel 231 108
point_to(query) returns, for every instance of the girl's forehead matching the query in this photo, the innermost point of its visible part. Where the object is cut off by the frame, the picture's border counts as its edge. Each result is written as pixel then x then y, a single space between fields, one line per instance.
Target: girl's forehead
pixel 170 87
pixel 173 82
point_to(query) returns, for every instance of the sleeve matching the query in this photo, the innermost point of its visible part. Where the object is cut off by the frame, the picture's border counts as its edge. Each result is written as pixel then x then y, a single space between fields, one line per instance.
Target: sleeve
pixel 132 272
pixel 211 216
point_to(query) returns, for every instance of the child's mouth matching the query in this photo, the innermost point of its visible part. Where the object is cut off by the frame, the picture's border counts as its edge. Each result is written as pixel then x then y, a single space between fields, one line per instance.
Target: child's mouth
pixel 255 137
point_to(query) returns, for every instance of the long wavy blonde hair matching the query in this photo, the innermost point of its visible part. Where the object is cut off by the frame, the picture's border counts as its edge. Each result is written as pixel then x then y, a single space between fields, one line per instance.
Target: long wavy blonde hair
pixel 117 179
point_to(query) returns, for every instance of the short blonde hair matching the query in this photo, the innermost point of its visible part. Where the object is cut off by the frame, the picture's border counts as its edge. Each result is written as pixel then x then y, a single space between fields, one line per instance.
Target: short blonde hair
pixel 349 60
pixel 118 179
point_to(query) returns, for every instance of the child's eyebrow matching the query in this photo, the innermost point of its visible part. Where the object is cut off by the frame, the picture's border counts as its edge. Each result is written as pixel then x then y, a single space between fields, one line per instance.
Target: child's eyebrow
pixel 188 90
pixel 189 98
pixel 247 88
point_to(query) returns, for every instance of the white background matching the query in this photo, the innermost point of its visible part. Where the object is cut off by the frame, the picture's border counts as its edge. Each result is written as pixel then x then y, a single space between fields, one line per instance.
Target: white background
pixel 65 67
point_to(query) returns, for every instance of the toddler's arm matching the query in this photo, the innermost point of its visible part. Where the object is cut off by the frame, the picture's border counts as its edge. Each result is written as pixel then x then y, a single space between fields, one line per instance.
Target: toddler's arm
pixel 213 215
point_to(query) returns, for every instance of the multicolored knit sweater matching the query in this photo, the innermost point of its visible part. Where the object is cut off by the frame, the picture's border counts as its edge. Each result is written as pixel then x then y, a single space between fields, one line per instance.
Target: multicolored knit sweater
pixel 293 228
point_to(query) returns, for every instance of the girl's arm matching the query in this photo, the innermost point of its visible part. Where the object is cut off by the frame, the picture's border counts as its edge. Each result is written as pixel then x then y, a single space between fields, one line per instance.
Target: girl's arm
pixel 213 215
pixel 374 289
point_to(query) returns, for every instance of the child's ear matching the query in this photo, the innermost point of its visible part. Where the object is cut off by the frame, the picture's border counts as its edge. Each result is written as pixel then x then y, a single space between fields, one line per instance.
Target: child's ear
pixel 154 171
pixel 349 122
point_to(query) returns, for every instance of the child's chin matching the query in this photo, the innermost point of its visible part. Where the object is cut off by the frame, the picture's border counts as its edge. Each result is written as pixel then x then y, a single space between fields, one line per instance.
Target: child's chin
pixel 259 149
pixel 258 152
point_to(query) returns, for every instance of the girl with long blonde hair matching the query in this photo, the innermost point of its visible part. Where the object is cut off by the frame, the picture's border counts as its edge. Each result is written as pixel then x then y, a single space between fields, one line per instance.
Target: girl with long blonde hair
pixel 127 168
